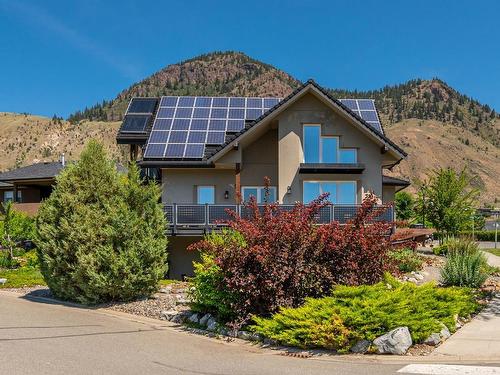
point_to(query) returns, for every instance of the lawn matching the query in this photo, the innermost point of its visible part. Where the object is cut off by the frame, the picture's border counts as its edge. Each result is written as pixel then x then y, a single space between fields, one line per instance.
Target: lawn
pixel 21 277
pixel 493 251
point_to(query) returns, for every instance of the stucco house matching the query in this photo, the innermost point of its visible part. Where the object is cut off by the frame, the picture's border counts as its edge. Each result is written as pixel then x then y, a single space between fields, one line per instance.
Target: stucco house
pixel 210 153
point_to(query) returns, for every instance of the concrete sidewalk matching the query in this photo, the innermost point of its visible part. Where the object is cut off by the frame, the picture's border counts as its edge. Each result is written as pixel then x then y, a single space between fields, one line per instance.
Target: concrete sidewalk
pixel 479 339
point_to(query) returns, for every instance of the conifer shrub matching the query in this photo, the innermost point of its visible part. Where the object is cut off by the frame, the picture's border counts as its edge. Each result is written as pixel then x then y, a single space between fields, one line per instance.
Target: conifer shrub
pixel 353 313
pixel 281 257
pixel 101 234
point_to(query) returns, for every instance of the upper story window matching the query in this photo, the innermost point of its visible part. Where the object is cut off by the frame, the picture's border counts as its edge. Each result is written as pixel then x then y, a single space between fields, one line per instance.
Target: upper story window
pixel 259 192
pixel 205 195
pixel 325 149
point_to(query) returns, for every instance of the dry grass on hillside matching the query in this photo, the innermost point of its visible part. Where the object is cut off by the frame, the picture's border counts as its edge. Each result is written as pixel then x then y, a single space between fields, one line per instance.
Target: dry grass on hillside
pixel 28 139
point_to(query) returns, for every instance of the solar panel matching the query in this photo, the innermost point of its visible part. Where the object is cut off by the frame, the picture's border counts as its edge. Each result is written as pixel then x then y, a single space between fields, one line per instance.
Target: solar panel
pixel 365 108
pixel 135 123
pixel 185 124
pixel 142 105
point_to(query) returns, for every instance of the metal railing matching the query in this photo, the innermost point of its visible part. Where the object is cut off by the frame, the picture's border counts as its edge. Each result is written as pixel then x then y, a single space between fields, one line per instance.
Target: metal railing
pixel 207 217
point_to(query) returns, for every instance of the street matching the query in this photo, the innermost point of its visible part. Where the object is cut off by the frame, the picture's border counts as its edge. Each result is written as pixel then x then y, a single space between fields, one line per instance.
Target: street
pixel 37 337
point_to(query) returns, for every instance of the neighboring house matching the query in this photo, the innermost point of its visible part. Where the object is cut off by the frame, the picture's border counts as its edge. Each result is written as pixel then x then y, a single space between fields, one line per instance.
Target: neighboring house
pixel 28 186
pixel 210 153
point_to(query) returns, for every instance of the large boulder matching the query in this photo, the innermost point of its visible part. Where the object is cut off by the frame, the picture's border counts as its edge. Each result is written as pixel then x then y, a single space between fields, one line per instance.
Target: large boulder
pixel 397 341
pixel 361 347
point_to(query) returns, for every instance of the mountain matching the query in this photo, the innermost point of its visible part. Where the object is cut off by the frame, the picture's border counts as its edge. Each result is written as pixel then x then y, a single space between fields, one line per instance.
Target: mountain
pixel 436 124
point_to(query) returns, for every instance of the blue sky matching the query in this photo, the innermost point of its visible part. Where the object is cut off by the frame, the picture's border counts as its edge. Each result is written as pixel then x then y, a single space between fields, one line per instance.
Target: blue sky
pixel 60 56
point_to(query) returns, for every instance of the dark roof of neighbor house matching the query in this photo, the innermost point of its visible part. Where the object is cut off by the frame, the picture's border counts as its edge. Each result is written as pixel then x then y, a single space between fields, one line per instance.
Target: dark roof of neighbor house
pixel 38 171
pixel 394 181
pixel 211 150
pixel 5 185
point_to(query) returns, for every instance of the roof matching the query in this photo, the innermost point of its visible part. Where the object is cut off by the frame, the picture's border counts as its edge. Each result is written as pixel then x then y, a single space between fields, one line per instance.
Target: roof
pixel 38 171
pixel 157 146
pixel 5 185
pixel 394 181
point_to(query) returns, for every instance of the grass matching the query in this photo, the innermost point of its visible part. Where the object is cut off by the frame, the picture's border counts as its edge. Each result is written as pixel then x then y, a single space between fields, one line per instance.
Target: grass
pixel 493 251
pixel 21 277
pixel 166 282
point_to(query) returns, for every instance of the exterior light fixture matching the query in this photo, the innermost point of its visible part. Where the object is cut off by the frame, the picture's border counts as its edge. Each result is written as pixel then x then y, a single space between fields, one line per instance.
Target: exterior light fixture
pixel 226 194
pixel 289 190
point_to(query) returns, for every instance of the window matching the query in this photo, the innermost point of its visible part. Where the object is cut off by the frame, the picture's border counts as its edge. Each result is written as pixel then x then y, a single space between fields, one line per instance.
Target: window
pixel 206 194
pixel 259 192
pixel 8 196
pixel 341 192
pixel 318 149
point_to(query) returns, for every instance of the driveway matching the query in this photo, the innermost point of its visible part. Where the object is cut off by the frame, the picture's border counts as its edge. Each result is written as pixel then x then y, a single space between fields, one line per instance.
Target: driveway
pixel 44 338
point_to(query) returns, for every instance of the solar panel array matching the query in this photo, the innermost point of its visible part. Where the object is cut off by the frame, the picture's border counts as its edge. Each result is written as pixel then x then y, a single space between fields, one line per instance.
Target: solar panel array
pixel 184 125
pixel 139 114
pixel 364 108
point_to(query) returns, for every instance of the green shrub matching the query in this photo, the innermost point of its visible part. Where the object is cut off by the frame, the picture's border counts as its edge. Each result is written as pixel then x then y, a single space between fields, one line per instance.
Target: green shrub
pixel 100 234
pixel 368 311
pixel 465 264
pixel 210 293
pixel 6 261
pixel 406 259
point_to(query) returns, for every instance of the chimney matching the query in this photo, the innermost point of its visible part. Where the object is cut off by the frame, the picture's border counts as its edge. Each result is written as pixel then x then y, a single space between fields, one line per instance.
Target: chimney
pixel 63 160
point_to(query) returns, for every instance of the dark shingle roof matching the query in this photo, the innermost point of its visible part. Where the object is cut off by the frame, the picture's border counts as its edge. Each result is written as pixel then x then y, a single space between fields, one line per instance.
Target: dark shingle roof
pixel 388 180
pixel 37 171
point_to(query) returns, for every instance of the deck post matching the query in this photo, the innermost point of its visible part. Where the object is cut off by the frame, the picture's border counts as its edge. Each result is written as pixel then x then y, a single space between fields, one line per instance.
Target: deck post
pixel 237 184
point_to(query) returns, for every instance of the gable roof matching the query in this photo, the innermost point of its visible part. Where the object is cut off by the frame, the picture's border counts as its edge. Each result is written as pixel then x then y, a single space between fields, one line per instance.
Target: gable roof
pixel 212 152
pixel 336 102
pixel 38 171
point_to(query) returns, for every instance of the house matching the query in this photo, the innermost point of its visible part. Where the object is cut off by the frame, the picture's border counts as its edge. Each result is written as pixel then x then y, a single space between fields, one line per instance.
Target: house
pixel 28 186
pixel 210 153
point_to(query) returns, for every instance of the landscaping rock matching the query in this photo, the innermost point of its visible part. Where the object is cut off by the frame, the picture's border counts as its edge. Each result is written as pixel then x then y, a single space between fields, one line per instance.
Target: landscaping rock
pixel 168 314
pixel 211 324
pixel 204 319
pixel 412 280
pixel 3 281
pixel 396 341
pixel 361 347
pixel 181 317
pixel 244 335
pixel 445 333
pixel 434 339
pixel 166 290
pixel 181 299
pixel 195 318
pixel 419 276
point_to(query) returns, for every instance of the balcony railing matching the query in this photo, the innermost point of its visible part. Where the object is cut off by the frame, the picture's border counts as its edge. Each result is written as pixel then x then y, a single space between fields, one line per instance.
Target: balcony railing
pixel 196 218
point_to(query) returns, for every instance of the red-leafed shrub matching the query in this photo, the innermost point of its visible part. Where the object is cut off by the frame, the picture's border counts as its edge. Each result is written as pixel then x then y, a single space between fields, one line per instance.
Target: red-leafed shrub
pixel 283 257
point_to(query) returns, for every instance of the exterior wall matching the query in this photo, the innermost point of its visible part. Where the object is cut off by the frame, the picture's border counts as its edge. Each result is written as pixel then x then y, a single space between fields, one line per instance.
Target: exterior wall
pixel 180 185
pixel 260 159
pixel 388 193
pixel 180 261
pixel 310 110
pixel 30 195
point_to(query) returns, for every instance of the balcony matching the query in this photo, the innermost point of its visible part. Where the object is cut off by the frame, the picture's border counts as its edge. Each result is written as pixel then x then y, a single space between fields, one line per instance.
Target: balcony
pixel 198 219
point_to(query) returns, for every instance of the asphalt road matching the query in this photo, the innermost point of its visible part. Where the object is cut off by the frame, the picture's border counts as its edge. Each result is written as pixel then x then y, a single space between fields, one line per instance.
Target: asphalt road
pixel 43 338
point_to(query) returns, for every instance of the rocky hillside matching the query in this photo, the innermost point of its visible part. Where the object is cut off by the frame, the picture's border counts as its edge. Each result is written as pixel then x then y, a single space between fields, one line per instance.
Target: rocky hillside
pixel 219 73
pixel 437 125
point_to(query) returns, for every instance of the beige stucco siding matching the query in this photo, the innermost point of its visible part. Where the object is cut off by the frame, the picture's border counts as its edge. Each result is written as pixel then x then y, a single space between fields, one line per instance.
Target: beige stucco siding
pixel 260 159
pixel 179 185
pixel 310 110
pixel 388 193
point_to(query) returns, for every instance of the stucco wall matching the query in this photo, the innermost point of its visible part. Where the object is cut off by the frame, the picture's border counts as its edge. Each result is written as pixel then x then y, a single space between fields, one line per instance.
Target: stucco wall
pixel 180 260
pixel 388 193
pixel 180 185
pixel 310 110
pixel 260 159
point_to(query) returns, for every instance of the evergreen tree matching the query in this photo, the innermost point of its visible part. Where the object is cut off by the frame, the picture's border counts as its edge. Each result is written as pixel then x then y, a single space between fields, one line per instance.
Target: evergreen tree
pixel 101 234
